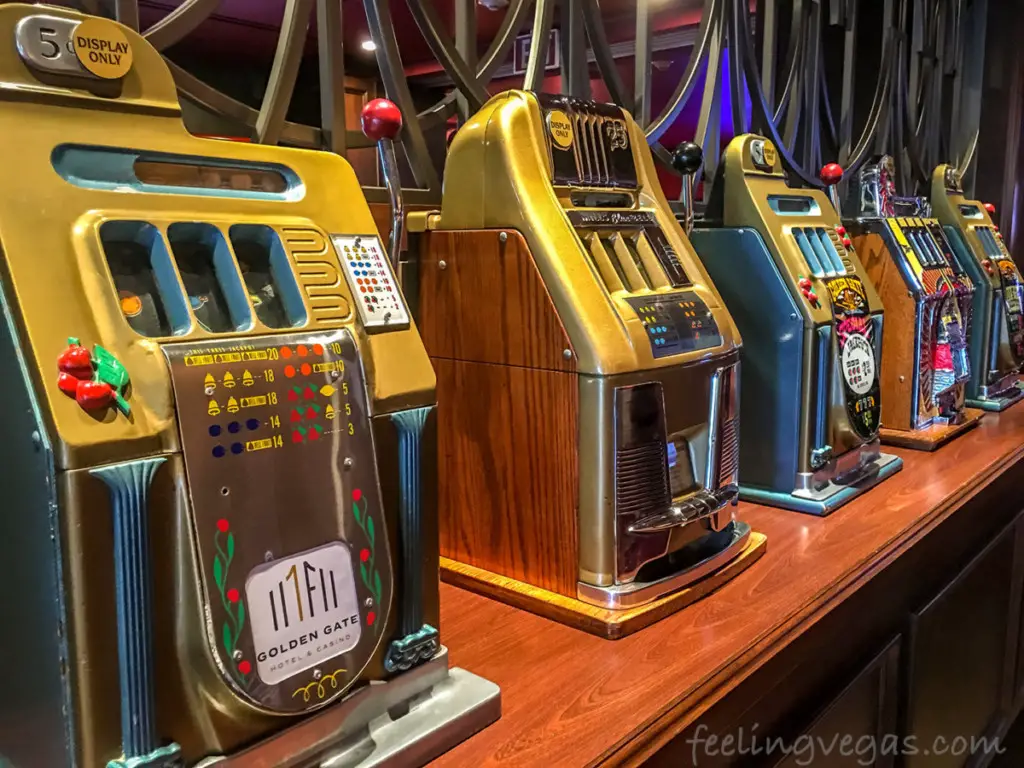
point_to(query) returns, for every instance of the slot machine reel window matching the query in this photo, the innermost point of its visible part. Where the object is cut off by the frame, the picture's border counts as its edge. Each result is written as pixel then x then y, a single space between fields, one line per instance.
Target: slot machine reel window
pixel 147 288
pixel 269 281
pixel 210 277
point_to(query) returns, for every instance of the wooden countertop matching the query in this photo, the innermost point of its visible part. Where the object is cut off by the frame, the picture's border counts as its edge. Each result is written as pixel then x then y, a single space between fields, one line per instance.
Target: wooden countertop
pixel 569 698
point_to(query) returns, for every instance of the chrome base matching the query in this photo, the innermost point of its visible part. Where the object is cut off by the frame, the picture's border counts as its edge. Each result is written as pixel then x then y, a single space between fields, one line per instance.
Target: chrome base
pixel 406 721
pixel 635 593
pixel 825 499
pixel 999 396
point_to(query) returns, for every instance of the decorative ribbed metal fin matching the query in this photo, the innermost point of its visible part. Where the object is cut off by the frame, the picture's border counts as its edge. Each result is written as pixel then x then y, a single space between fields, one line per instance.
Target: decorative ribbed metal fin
pixel 418 642
pixel 128 484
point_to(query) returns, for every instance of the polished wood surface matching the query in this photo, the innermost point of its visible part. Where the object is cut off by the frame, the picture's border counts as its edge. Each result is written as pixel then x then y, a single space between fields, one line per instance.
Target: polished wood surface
pixel 898 331
pixel 932 437
pixel 488 304
pixel 569 698
pixel 603 622
pixel 508 503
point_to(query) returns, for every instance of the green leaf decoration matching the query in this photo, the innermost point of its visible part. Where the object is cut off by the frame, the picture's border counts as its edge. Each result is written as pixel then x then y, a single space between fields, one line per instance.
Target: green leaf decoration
pixel 365 575
pixel 218 573
pixel 369 530
pixel 109 369
pixel 228 640
pixel 357 514
pixel 231 547
pixel 241 618
pixel 376 585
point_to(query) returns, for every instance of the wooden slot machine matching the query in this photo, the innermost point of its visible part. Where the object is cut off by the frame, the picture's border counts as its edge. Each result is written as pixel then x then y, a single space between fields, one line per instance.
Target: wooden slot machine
pixel 812 329
pixel 997 325
pixel 221 470
pixel 587 373
pixel 927 296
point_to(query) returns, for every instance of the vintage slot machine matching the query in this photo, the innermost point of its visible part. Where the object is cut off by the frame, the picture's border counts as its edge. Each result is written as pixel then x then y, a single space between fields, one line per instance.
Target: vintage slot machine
pixel 587 373
pixel 220 476
pixel 997 326
pixel 927 296
pixel 812 329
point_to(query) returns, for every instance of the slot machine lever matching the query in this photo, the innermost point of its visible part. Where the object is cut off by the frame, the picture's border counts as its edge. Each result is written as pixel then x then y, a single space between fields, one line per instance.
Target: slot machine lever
pixel 382 121
pixel 831 174
pixel 687 160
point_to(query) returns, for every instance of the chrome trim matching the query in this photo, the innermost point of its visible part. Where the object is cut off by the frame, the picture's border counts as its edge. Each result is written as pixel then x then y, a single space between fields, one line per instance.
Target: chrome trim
pixel 714 430
pixel 622 596
pixel 845 469
pixel 1002 387
pixel 699 506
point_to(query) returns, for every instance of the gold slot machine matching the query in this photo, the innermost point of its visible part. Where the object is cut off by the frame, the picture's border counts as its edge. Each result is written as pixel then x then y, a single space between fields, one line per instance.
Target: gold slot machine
pixel 812 327
pixel 997 324
pixel 220 474
pixel 928 306
pixel 587 373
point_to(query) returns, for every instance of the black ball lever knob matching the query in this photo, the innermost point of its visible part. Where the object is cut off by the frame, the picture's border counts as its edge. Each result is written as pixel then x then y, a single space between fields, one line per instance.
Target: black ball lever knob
pixel 687 158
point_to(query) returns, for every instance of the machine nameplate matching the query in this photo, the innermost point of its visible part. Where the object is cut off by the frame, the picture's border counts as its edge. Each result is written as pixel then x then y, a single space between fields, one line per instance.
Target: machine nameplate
pixel 638 219
pixel 327 592
pixel 286 510
pixel 676 322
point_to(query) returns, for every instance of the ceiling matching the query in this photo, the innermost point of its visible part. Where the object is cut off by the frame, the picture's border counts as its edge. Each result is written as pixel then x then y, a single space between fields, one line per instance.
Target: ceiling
pixel 245 31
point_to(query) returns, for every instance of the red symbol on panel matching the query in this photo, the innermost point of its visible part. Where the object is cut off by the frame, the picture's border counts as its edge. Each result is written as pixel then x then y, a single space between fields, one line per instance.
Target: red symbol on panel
pixel 296 416
pixel 306 369
pixel 296 437
pixel 293 396
pixel 318 349
pixel 289 371
pixel 309 394
pixel 286 352
pixel 311 413
pixel 302 350
pixel 314 432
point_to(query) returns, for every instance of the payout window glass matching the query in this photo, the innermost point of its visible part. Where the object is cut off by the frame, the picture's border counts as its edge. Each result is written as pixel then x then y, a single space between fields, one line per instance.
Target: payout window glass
pixel 208 273
pixel 143 274
pixel 269 281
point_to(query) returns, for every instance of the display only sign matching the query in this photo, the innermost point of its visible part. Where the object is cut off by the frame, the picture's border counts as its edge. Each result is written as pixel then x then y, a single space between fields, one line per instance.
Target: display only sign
pixel 522 53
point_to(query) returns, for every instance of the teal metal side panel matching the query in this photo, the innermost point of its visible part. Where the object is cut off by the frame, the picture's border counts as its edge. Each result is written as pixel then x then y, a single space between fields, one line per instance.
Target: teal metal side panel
pixel 35 716
pixel 772 354
pixel 980 342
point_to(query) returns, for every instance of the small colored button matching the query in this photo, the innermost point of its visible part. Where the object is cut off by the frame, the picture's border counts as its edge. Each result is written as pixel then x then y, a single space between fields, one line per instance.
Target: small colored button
pixel 233 427
pixel 218 451
pixel 237 448
pixel 214 430
pixel 252 424
pixel 840 231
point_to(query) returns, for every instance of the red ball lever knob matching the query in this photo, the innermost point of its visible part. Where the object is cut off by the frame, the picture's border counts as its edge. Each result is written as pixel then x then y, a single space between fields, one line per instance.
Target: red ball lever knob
pixel 991 209
pixel 381 119
pixel 832 174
